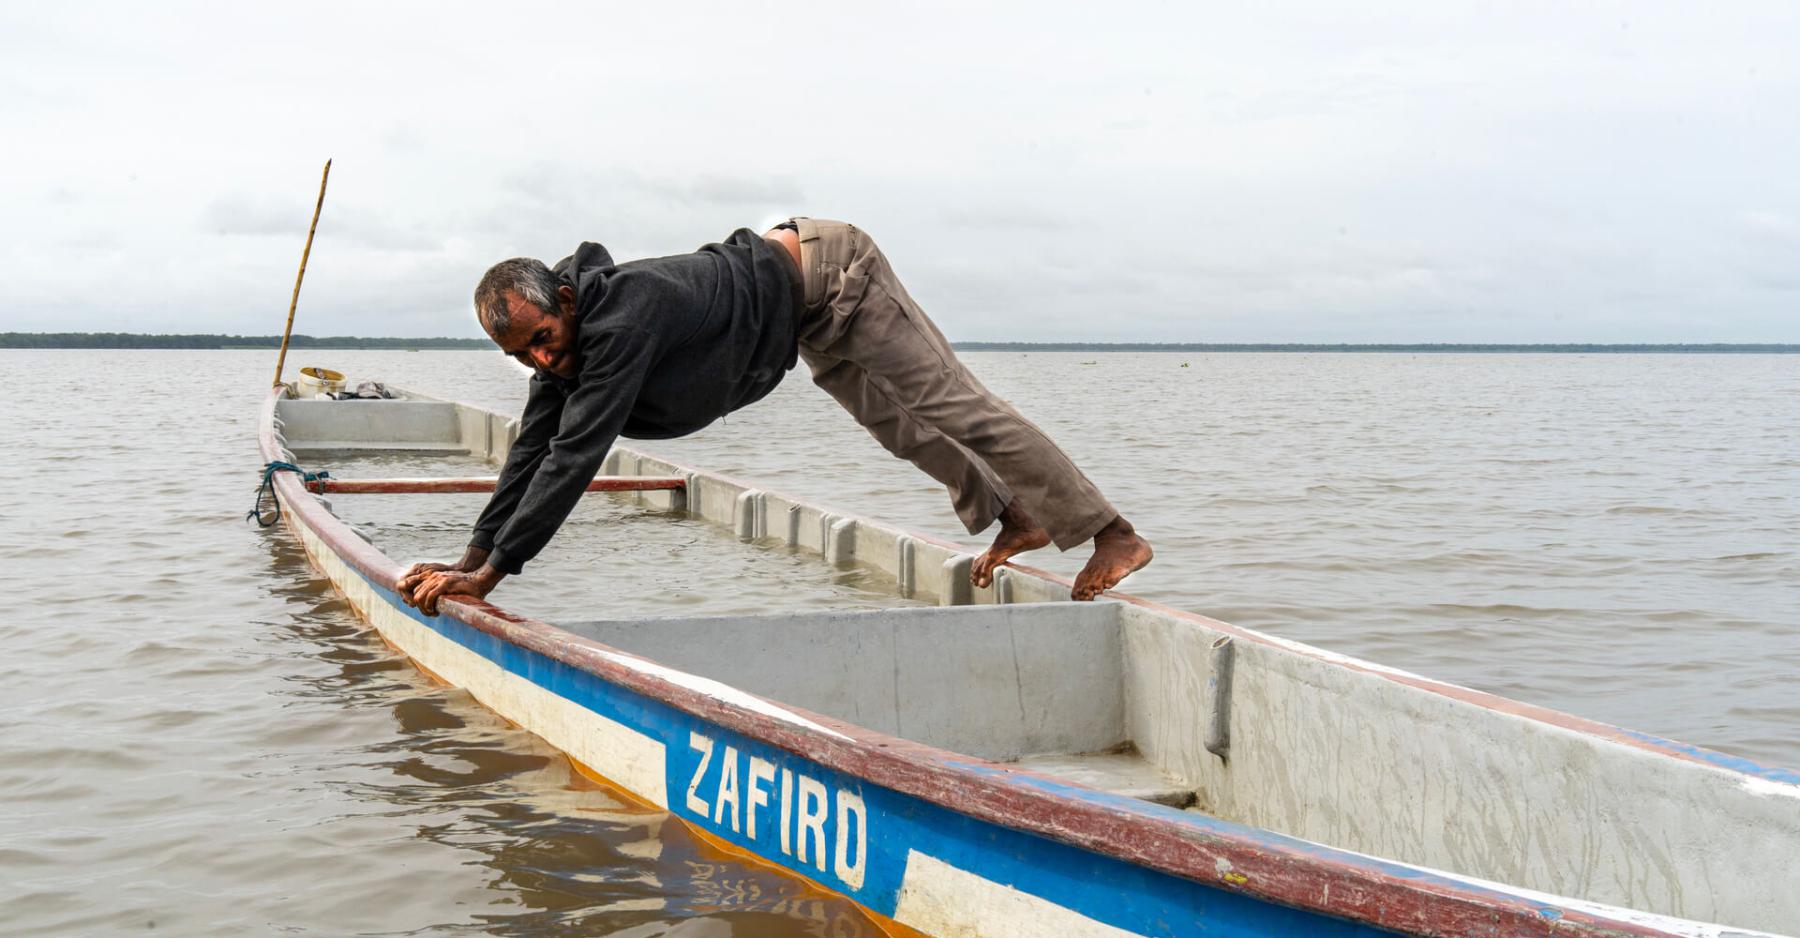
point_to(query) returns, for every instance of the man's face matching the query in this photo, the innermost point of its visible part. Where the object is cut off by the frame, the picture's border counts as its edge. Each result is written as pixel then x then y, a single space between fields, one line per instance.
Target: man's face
pixel 539 339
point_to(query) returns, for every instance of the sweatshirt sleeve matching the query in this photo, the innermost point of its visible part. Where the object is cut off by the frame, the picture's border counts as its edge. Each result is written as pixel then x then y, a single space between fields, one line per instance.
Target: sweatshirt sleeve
pixel 543 413
pixel 615 364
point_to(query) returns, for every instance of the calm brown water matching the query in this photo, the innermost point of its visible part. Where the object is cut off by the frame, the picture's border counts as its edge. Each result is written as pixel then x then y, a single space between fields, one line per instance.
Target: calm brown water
pixel 197 735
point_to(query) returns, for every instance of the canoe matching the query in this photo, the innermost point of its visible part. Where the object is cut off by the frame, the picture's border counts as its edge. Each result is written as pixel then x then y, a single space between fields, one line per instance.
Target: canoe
pixel 1006 762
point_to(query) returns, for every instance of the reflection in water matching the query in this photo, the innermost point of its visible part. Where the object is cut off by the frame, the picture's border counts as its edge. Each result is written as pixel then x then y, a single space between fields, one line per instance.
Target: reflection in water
pixel 566 851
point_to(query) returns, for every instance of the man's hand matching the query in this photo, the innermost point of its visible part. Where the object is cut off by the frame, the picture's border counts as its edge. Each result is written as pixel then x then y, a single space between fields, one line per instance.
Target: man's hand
pixel 415 575
pixel 472 560
pixel 434 585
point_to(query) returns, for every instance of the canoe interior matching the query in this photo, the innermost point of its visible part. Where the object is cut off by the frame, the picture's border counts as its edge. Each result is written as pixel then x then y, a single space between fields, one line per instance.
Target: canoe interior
pixel 397 426
pixel 1120 695
pixel 1041 684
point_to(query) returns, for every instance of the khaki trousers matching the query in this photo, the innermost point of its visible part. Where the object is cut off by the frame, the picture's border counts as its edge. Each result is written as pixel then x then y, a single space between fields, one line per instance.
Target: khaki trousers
pixel 872 348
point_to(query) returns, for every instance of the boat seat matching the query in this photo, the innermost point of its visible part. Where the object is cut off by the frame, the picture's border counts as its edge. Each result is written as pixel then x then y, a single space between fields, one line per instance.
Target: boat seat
pixel 355 446
pixel 395 426
pixel 1122 772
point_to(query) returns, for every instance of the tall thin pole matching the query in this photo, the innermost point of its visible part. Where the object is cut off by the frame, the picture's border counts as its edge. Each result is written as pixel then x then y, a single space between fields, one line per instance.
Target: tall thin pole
pixel 285 333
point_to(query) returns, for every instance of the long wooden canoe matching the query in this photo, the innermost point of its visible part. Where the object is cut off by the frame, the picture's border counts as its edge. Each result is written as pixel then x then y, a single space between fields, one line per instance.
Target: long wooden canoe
pixel 1009 763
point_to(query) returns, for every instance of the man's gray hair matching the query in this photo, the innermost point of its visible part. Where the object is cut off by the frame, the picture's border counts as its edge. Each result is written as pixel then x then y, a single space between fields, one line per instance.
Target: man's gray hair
pixel 526 276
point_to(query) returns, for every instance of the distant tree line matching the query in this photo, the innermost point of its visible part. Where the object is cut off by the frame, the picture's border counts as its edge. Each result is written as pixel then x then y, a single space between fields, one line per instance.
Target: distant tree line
pixel 1560 347
pixel 213 341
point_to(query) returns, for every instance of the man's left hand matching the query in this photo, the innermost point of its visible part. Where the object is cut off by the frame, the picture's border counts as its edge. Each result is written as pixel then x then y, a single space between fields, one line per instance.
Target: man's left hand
pixel 440 583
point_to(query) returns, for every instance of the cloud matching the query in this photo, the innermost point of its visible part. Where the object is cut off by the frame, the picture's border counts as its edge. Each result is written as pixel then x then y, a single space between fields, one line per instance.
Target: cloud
pixel 1004 216
pixel 733 191
pixel 243 214
pixel 547 207
pixel 1774 226
pixel 1134 172
pixel 239 213
pixel 559 184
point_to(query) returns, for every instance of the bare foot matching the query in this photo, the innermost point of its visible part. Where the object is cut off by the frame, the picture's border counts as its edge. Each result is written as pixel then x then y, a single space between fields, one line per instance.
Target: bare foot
pixel 1019 532
pixel 1118 551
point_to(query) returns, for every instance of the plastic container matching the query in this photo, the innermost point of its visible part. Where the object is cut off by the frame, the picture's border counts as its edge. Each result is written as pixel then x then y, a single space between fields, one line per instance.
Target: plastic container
pixel 318 382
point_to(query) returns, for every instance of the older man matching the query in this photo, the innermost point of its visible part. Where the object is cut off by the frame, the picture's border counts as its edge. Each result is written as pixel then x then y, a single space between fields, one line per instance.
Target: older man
pixel 662 347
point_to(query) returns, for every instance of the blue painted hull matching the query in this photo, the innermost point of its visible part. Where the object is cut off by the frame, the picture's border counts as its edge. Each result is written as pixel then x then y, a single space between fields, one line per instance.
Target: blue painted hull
pixel 892 827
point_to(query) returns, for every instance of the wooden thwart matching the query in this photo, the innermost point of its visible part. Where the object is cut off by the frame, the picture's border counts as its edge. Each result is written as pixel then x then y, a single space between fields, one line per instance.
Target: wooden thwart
pixel 480 484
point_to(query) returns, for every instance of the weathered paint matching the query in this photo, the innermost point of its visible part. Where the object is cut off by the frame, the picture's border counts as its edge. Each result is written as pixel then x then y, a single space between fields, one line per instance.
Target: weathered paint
pixel 1121 862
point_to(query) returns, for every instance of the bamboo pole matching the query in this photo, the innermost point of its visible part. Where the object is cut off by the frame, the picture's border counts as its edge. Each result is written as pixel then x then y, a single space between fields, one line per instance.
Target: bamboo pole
pixel 295 301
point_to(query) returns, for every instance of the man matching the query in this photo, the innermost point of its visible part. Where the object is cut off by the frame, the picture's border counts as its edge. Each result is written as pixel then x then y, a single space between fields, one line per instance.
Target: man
pixel 662 347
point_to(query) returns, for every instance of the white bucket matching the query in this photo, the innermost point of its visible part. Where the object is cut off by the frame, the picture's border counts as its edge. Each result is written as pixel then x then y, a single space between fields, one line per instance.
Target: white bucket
pixel 318 382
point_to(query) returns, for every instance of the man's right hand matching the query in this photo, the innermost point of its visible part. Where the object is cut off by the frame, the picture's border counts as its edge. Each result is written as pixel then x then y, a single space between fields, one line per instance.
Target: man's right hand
pixel 409 581
pixel 415 575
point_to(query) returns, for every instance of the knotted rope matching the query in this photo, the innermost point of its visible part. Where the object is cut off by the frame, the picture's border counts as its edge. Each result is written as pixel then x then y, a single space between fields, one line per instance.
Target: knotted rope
pixel 268 489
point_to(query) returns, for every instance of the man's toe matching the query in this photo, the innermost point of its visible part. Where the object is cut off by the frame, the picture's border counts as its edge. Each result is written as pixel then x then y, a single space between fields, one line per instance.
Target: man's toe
pixel 1084 587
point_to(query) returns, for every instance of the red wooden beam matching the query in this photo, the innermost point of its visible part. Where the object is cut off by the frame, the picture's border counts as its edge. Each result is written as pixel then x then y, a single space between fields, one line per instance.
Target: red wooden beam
pixel 479 484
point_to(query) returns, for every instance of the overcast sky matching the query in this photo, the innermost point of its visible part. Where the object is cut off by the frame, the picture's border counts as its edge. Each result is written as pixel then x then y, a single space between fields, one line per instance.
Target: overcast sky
pixel 1324 172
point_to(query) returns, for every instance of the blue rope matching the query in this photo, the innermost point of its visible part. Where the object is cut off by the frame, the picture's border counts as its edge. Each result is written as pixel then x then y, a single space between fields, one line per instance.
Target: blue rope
pixel 268 489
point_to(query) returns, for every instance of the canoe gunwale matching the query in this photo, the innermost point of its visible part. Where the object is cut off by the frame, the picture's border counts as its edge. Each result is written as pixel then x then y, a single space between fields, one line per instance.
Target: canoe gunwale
pixel 1215 853
pixel 479 485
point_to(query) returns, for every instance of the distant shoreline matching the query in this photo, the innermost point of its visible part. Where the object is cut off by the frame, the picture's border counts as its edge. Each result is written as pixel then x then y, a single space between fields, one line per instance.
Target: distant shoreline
pixel 128 340
pixel 199 340
pixel 1712 348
